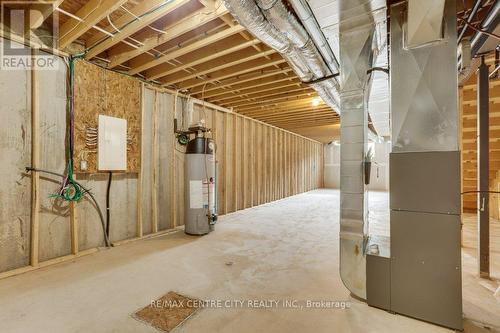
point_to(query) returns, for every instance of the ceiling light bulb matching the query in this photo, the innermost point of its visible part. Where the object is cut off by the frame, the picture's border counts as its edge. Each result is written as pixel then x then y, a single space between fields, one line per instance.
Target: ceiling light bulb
pixel 316 101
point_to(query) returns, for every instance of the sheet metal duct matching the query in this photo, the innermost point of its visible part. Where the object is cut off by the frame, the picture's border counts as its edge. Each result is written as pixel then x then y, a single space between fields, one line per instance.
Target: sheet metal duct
pixel 425 22
pixel 357 31
pixel 379 99
pixel 272 23
pixel 423 112
pixel 325 16
pixel 307 18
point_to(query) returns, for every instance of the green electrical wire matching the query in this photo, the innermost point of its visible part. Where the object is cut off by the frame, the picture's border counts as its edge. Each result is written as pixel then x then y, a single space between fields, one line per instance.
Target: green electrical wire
pixel 183 139
pixel 70 189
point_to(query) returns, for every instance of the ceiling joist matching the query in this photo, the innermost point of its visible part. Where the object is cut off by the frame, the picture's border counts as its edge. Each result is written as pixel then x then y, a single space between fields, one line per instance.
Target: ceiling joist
pixel 201 72
pixel 246 68
pixel 287 98
pixel 134 27
pixel 283 94
pixel 38 17
pixel 238 88
pixel 227 84
pixel 91 13
pixel 292 87
pixel 186 25
pixel 197 47
pixel 256 92
pixel 158 72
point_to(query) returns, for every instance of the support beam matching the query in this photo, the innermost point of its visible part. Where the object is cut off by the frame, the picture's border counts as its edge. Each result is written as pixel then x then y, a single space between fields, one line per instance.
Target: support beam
pixel 181 27
pixel 212 69
pixel 35 161
pixel 228 84
pixel 293 96
pixel 154 168
pixel 73 225
pixel 280 105
pixel 483 170
pixel 288 110
pixel 250 67
pixel 256 92
pixel 91 13
pixel 140 176
pixel 259 85
pixel 308 113
pixel 134 27
pixel 137 11
pixel 158 72
pixel 289 97
pixel 228 19
pixel 262 97
pixel 300 119
pixel 301 124
pixel 38 17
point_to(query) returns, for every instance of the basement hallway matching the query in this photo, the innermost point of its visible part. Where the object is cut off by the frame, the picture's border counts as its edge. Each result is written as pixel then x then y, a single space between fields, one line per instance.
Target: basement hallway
pixel 284 250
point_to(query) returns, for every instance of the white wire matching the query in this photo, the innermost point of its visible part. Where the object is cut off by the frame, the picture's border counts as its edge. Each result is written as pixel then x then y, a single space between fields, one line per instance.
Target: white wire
pixel 136 41
pixel 111 23
pixel 157 30
pixel 103 31
pixel 128 11
pixel 138 18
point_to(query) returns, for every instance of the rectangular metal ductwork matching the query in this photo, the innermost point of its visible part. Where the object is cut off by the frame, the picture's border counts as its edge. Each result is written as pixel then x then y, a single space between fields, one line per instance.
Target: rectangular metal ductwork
pixel 358 47
pixel 425 22
pixel 425 267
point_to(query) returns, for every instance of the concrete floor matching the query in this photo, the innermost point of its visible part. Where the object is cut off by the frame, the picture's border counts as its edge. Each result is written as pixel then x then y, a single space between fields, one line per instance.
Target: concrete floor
pixel 282 250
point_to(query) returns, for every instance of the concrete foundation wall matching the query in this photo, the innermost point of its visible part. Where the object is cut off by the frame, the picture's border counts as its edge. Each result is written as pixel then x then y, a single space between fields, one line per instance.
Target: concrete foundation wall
pixel 286 165
pixel 379 180
pixel 123 209
pixel 15 185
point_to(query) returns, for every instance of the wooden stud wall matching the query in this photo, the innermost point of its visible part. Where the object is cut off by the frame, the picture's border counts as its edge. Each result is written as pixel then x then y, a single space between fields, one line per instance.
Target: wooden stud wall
pixel 258 163
pixel 468 105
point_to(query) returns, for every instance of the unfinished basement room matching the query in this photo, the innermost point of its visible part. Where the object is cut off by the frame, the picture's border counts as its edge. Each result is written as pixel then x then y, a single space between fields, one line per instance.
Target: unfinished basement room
pixel 241 166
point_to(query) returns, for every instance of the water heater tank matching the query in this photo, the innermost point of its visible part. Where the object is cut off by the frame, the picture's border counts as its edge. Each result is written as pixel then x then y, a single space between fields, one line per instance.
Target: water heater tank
pixel 200 181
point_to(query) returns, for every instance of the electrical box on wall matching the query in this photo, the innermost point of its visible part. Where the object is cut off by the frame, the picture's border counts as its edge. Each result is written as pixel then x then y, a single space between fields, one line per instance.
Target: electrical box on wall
pixel 112 144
